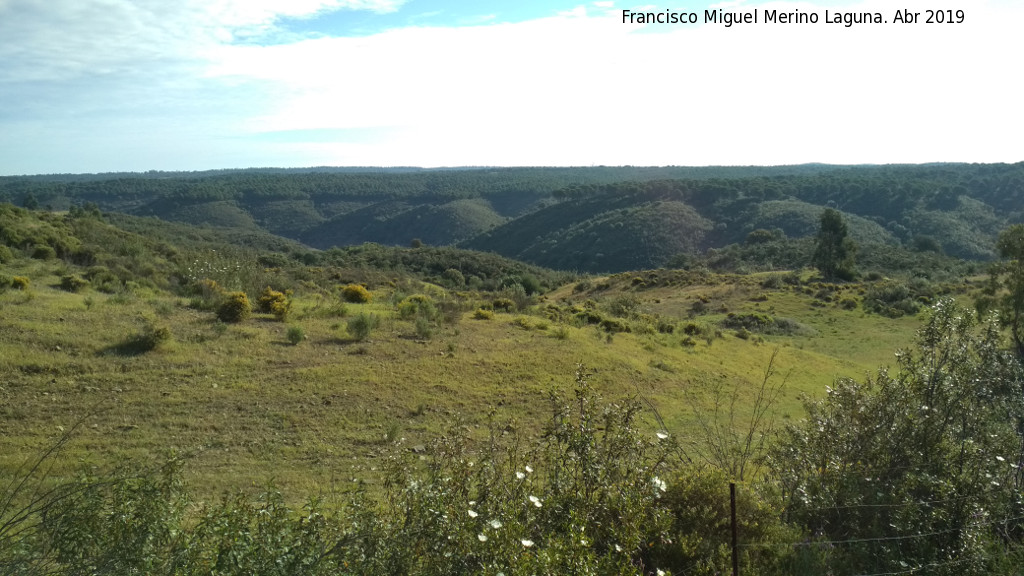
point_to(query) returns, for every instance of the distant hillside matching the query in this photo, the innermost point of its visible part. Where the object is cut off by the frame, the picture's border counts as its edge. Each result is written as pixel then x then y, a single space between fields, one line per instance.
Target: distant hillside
pixel 599 219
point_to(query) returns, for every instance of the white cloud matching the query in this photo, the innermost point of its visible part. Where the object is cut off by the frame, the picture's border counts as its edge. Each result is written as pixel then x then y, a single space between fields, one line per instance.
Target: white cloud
pixel 575 88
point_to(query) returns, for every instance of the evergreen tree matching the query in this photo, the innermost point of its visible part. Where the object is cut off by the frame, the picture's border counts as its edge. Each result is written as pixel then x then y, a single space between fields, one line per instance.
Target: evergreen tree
pixel 30 202
pixel 834 250
pixel 1006 287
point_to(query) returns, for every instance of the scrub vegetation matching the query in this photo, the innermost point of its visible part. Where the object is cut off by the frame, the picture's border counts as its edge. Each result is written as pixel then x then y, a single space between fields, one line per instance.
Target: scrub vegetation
pixel 190 400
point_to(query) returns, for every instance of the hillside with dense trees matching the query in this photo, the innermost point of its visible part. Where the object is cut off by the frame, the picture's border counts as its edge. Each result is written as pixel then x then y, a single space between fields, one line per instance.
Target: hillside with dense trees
pixel 599 219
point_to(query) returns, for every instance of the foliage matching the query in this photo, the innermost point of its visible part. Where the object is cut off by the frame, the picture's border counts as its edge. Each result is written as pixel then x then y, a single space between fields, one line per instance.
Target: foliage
pixel 360 325
pixel 44 252
pixel 6 256
pixel 20 282
pixel 698 501
pixel 892 299
pixel 295 335
pixel 73 283
pixel 503 305
pixel 356 294
pixel 234 308
pixel 917 470
pixel 149 338
pixel 417 306
pixel 481 314
pixel 273 302
pixel 1005 289
pixel 765 324
pixel 834 251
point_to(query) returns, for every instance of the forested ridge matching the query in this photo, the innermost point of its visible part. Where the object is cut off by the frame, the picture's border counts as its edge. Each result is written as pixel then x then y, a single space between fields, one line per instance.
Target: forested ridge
pixel 599 219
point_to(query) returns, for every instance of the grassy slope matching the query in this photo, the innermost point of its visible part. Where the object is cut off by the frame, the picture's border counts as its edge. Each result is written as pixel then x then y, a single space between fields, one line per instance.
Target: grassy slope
pixel 259 409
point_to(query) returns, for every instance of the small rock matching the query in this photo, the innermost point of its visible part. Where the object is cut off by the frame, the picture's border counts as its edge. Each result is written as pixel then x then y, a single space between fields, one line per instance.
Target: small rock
pixel 418 449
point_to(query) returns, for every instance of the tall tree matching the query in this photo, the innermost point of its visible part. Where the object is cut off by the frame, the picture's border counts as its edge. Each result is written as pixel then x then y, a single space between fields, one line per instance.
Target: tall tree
pixel 834 251
pixel 1006 287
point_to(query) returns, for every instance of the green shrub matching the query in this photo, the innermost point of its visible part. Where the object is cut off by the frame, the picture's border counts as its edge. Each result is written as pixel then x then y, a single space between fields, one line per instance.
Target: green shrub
pixel 765 324
pixel 44 252
pixel 699 505
pixel 208 294
pixel 234 308
pixel 482 314
pixel 522 322
pixel 848 303
pixel 424 328
pixel 73 283
pixel 356 294
pixel 273 302
pixel 892 299
pixel 149 338
pixel 152 337
pixel 614 326
pixel 295 335
pixel 268 298
pixel 453 278
pixel 360 326
pixel 503 305
pixel 6 256
pixel 417 305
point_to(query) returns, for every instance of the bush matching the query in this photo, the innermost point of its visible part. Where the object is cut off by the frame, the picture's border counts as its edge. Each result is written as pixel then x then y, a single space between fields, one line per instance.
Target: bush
pixel 360 326
pixel 698 502
pixel 6 256
pixel 152 337
pixel 20 283
pixel 295 335
pixel 417 306
pixel 922 452
pixel 208 294
pixel 482 314
pixel 274 302
pixel 44 252
pixel 453 278
pixel 356 294
pixel 73 283
pixel 892 299
pixel 234 308
pixel 424 329
pixel 504 305
pixel 614 326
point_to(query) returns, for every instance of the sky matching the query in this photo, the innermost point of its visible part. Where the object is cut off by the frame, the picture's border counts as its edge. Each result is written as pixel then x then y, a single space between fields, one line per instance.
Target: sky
pixel 137 85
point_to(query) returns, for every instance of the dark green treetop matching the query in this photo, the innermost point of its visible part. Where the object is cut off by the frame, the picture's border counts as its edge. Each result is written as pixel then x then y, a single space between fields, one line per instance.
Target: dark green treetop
pixel 834 251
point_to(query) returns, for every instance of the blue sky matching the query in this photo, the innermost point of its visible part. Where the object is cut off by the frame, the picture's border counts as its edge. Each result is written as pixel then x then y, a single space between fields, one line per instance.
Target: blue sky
pixel 134 85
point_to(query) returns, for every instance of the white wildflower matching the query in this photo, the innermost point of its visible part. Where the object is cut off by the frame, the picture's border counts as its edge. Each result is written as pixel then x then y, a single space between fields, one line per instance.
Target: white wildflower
pixel 536 501
pixel 527 543
pixel 496 524
pixel 520 475
pixel 659 483
pixel 529 470
pixel 473 514
pixel 481 537
pixel 662 435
